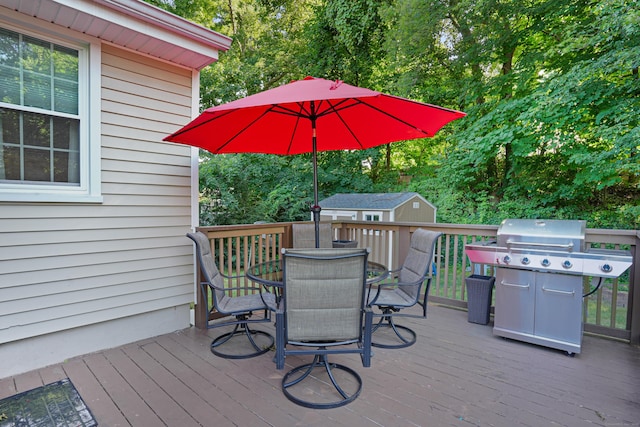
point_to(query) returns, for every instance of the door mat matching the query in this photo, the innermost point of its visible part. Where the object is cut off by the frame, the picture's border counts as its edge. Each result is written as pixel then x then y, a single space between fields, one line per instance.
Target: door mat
pixel 57 404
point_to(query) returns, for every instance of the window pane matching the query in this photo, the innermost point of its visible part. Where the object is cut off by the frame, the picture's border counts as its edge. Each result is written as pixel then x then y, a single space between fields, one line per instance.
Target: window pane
pixel 11 156
pixel 66 167
pixel 65 133
pixel 37 91
pixel 9 85
pixel 37 165
pixel 9 67
pixel 9 49
pixel 36 130
pixel 65 72
pixel 10 122
pixel 36 55
pixel 66 96
pixel 61 132
pixel 65 63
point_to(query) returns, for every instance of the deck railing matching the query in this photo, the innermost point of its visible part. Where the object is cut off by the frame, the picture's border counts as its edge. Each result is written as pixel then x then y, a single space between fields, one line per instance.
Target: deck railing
pixel 613 311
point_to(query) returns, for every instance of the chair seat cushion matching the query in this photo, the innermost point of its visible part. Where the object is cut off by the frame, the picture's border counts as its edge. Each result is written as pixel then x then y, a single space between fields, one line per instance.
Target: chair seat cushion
pixel 246 303
pixel 392 298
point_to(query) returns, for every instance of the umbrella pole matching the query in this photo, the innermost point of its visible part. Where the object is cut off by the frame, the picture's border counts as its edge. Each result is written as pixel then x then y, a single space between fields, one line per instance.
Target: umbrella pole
pixel 315 208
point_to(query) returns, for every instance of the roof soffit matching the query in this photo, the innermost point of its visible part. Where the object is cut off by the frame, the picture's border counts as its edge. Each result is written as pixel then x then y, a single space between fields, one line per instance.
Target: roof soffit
pixel 132 24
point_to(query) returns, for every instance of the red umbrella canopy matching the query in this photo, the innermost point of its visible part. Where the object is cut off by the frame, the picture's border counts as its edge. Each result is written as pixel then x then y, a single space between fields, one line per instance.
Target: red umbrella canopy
pixel 285 119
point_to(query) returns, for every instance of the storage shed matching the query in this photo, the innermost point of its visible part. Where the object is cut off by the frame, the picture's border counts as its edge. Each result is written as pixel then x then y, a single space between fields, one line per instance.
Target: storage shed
pixel 387 207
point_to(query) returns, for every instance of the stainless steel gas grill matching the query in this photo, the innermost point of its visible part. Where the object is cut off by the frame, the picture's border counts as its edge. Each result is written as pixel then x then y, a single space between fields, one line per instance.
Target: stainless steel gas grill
pixel 539 279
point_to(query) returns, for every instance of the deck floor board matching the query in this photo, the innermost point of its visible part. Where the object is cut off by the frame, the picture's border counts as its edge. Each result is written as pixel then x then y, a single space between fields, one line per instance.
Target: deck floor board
pixel 457 374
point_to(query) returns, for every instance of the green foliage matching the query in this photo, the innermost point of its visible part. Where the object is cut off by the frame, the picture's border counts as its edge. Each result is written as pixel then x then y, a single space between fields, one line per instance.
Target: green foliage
pixel 344 41
pixel 562 143
pixel 244 188
pixel 551 89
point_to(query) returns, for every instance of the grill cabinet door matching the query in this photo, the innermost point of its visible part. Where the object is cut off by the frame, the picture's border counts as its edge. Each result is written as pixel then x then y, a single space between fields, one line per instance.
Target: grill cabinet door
pixel 558 312
pixel 515 301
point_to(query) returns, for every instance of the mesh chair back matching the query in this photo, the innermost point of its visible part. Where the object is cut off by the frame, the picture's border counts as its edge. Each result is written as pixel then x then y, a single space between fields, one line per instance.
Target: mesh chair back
pixel 304 235
pixel 208 267
pixel 419 259
pixel 324 293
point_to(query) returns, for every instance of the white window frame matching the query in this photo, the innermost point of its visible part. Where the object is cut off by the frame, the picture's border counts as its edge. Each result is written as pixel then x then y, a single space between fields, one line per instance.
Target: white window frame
pixel 89 95
pixel 339 214
pixel 365 214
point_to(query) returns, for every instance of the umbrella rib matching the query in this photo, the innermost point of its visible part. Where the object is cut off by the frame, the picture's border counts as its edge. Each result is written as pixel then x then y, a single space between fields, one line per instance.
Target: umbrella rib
pixel 247 126
pixel 291 112
pixel 191 128
pixel 334 108
pixel 336 111
pixel 293 134
pixel 302 113
pixel 397 118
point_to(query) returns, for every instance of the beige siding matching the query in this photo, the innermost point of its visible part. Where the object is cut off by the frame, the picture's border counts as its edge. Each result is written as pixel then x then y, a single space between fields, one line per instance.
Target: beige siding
pixel 65 266
pixel 407 213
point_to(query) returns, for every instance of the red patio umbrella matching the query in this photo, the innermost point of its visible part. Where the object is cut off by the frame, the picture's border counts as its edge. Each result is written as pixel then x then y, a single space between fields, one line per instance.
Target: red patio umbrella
pixel 311 115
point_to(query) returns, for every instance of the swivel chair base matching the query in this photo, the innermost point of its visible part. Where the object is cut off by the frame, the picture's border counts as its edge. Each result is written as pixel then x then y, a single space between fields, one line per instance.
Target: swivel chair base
pixel 320 360
pixel 251 335
pixel 408 338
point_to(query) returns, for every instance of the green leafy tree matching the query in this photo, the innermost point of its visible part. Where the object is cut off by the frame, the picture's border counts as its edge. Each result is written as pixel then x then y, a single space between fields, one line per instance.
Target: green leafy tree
pixel 344 41
pixel 245 188
pixel 551 90
pixel 262 55
pixel 549 87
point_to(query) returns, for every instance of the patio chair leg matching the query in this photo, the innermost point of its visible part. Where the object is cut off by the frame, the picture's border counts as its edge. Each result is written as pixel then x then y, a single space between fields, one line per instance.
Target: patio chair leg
pixel 320 360
pixel 241 329
pixel 386 320
pixel 250 335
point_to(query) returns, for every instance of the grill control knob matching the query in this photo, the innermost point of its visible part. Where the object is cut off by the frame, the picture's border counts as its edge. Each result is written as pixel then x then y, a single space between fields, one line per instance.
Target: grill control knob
pixel 567 264
pixel 506 259
pixel 606 268
pixel 545 262
pixel 525 260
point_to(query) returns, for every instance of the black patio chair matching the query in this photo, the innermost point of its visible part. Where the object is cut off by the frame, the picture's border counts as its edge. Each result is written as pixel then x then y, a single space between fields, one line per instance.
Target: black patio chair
pixel 322 313
pixel 403 290
pixel 304 235
pixel 227 301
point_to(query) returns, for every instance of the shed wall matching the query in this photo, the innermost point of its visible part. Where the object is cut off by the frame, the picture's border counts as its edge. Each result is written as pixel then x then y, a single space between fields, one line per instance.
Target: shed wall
pixel 76 266
pixel 407 213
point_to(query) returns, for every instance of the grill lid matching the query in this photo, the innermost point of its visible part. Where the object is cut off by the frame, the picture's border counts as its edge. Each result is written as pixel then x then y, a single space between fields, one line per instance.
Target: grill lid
pixel 562 235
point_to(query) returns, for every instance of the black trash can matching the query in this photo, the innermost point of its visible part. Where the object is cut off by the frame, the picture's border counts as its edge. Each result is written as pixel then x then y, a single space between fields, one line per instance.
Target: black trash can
pixel 345 243
pixel 479 292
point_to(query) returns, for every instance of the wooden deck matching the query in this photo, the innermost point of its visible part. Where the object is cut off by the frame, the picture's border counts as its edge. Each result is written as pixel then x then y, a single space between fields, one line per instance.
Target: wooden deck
pixel 457 374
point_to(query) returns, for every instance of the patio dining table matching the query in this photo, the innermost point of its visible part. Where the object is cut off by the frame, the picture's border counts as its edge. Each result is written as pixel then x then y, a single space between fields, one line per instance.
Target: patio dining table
pixel 269 273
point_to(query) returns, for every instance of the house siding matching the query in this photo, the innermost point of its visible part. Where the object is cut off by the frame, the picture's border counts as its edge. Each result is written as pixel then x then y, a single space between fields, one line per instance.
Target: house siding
pixel 67 270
